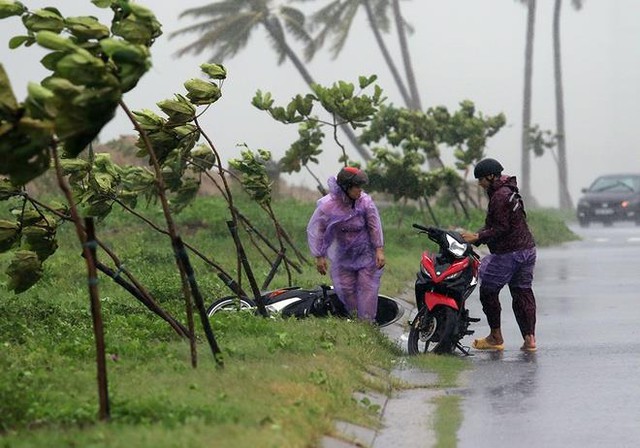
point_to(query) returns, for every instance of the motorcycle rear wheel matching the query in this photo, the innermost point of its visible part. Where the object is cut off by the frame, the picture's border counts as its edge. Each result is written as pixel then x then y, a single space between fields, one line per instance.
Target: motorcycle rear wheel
pixel 433 331
pixel 230 303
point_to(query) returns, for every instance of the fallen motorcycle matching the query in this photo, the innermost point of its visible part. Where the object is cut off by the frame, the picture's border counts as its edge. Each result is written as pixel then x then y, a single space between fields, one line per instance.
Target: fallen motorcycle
pixel 294 301
pixel 444 282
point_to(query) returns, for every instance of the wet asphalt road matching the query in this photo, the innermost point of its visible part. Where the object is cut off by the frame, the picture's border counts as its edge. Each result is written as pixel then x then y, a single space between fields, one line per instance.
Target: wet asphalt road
pixel 582 387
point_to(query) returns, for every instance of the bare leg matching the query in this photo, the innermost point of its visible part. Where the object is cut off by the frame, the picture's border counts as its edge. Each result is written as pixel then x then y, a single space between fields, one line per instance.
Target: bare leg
pixel 495 337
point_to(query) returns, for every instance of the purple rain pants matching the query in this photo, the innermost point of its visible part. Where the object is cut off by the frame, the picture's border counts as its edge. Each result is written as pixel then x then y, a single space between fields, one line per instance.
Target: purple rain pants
pixel 516 270
pixel 357 289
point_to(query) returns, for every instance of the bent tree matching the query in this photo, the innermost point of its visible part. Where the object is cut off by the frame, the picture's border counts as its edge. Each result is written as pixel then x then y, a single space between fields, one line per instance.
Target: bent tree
pixel 91 66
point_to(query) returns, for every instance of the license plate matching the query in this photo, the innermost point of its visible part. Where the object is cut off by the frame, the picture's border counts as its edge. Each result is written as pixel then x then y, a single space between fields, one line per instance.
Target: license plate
pixel 603 211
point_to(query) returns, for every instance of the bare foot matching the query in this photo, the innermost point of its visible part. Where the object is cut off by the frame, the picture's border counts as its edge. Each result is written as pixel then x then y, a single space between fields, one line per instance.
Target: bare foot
pixel 529 343
pixel 494 340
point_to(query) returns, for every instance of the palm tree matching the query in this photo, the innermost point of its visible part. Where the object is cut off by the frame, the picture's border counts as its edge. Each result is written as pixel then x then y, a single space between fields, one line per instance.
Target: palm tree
pixel 526 103
pixel 401 28
pixel 337 18
pixel 565 197
pixel 225 28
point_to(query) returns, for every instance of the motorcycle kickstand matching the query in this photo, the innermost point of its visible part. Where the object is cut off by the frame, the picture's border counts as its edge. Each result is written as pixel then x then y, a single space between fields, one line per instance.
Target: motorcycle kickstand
pixel 465 350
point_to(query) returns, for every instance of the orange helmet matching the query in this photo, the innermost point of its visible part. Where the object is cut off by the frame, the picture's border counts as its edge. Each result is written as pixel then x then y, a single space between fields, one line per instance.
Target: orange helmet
pixel 350 176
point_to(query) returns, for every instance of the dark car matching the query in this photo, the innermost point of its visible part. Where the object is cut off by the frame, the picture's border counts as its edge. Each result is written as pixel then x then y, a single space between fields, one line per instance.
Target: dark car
pixel 611 198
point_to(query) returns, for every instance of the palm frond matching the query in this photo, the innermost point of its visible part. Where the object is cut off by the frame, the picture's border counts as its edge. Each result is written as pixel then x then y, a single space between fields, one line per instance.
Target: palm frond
pixel 277 39
pixel 220 9
pixel 381 13
pixel 224 36
pixel 343 28
pixel 294 21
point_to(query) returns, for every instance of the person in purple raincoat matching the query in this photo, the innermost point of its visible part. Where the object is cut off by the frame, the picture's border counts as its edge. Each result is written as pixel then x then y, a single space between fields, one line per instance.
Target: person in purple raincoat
pixel 511 260
pixel 346 229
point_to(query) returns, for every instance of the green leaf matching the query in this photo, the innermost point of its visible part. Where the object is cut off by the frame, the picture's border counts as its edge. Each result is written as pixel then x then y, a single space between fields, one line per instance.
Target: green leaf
pixel 81 118
pixel 10 8
pixel 203 158
pixel 8 102
pixel 40 102
pixel 50 61
pixel 86 27
pixel 81 68
pixel 214 71
pixel 202 92
pixel 7 189
pixel 179 110
pixel 263 101
pixel 365 82
pixel 185 194
pixel 9 234
pixel 103 3
pixel 41 240
pixel 16 41
pixel 148 120
pixel 139 26
pixel 24 271
pixel 54 41
pixel 24 150
pixel 74 166
pixel 47 19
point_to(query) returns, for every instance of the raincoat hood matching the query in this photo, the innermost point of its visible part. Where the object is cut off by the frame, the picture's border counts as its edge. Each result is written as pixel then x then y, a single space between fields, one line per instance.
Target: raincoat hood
pixel 503 181
pixel 337 193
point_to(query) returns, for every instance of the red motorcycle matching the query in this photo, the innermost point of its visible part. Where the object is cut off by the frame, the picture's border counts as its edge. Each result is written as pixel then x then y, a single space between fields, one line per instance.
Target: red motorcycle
pixel 444 282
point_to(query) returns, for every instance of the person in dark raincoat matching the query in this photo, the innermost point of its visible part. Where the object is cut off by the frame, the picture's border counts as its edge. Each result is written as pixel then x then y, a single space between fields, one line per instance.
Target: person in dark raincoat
pixel 511 260
pixel 346 229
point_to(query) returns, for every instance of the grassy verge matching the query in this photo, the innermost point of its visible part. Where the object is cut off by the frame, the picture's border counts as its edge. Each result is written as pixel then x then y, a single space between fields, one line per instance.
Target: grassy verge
pixel 284 382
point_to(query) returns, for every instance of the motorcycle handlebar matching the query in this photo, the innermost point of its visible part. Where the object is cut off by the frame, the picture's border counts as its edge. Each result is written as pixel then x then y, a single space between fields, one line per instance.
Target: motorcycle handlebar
pixel 436 235
pixel 421 227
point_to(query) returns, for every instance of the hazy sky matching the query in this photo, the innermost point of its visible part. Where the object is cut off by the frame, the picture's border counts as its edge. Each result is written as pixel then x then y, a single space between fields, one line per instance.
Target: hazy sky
pixel 461 49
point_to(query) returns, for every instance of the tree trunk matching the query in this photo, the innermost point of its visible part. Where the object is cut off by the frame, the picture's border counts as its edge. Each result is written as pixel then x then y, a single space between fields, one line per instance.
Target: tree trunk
pixel 525 185
pixel 386 55
pixel 565 198
pixel 434 162
pixel 293 57
pixel 415 104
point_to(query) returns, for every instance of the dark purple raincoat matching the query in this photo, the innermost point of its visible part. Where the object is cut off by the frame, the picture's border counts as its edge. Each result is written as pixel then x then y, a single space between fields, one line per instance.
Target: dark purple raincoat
pixel 505 227
pixel 348 233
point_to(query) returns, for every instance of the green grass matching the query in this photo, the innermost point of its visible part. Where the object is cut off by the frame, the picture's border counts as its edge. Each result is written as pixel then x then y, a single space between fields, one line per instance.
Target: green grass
pixel 283 384
pixel 447 420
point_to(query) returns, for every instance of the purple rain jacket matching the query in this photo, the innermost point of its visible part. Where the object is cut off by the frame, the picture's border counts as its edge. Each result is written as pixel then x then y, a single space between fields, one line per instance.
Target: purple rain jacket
pixel 347 233
pixel 505 227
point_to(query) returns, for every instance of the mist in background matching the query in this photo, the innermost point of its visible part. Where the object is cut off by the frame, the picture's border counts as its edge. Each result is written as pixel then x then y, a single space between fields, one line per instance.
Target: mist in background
pixel 461 49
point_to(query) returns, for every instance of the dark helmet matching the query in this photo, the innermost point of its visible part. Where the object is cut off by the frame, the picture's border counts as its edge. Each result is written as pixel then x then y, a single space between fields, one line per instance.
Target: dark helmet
pixel 350 176
pixel 487 167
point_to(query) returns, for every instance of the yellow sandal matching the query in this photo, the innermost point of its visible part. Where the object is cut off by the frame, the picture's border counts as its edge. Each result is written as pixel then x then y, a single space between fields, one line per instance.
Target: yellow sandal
pixel 483 344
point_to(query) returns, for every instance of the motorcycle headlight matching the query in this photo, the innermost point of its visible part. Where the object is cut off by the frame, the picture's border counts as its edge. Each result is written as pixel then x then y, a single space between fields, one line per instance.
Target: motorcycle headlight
pixel 424 272
pixel 453 276
pixel 456 248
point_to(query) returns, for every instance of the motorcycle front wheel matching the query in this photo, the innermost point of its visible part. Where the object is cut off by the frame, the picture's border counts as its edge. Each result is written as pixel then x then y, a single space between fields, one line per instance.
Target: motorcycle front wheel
pixel 231 303
pixel 433 331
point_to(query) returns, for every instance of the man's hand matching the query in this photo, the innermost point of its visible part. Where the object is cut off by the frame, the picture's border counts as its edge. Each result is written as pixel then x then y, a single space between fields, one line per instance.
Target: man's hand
pixel 469 237
pixel 321 265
